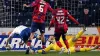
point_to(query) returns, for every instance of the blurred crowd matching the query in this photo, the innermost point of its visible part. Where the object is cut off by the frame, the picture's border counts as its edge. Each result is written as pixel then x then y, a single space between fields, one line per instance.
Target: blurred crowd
pixel 85 11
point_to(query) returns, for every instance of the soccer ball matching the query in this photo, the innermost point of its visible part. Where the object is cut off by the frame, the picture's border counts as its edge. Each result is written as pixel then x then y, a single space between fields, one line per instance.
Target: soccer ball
pixel 8 47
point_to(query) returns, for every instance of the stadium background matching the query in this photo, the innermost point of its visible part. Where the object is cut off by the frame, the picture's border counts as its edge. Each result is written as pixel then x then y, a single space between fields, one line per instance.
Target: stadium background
pixel 12 14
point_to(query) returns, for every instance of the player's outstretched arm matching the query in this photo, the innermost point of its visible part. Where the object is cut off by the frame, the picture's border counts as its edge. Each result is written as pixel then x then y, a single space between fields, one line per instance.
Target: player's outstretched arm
pixel 10 36
pixel 78 35
pixel 8 40
pixel 51 23
pixel 87 49
pixel 96 47
pixel 34 3
pixel 73 19
pixel 25 5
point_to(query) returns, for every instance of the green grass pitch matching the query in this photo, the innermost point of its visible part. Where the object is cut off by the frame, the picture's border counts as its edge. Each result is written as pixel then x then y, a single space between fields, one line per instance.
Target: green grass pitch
pixel 91 53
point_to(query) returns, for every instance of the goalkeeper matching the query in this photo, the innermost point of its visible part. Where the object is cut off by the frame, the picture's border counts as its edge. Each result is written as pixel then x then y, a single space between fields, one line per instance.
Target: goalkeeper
pixel 71 41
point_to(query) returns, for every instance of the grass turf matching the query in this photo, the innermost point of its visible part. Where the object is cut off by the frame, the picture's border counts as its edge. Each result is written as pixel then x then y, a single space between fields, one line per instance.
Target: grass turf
pixel 92 53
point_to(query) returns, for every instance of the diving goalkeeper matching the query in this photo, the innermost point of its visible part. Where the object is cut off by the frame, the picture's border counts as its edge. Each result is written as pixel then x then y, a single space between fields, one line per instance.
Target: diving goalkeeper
pixel 71 41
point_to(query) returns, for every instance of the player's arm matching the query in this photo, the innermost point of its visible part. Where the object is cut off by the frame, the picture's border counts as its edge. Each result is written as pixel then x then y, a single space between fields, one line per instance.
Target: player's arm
pixel 79 34
pixel 30 5
pixel 51 22
pixel 10 36
pixel 72 18
pixel 25 5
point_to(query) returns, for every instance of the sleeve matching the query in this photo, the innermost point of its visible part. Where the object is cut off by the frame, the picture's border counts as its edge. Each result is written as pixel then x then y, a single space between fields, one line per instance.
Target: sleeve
pixel 12 33
pixel 15 31
pixel 52 21
pixel 71 18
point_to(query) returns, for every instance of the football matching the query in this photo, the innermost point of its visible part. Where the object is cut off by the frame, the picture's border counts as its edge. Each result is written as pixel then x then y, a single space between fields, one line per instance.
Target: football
pixel 8 47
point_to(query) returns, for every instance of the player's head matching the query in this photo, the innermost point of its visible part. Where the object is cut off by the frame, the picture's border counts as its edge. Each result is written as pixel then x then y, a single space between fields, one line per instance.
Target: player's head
pixel 51 38
pixel 59 3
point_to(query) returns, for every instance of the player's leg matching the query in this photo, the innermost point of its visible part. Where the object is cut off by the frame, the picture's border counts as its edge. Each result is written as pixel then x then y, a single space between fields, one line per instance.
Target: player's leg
pixel 42 30
pixel 82 49
pixel 48 48
pixel 43 40
pixel 43 51
pixel 79 34
pixel 65 41
pixel 89 49
pixel 86 49
pixel 57 37
pixel 27 35
pixel 24 35
pixel 56 48
pixel 34 27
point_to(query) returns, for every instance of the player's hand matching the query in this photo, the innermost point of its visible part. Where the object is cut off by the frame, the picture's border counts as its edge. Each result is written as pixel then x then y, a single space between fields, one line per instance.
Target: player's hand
pixel 25 5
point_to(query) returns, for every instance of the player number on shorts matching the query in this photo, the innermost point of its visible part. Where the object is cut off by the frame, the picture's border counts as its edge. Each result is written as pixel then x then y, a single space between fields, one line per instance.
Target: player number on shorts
pixel 60 19
pixel 41 8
